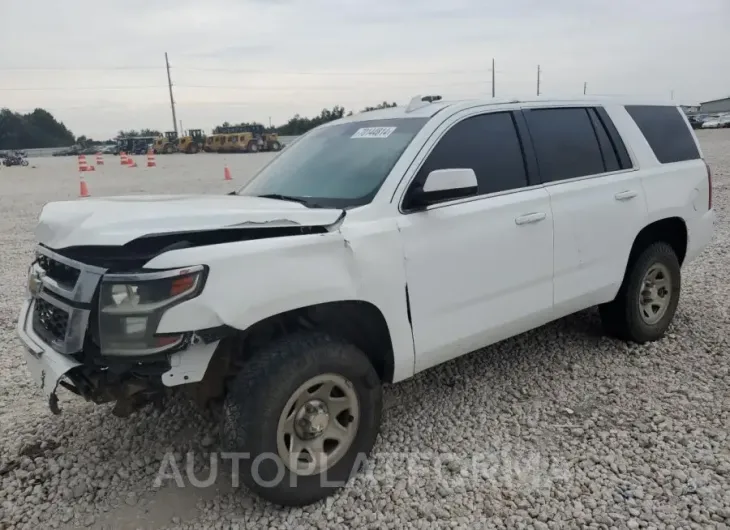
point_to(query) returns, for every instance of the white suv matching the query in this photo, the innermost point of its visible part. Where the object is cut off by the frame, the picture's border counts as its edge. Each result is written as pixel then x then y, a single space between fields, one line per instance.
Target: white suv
pixel 372 248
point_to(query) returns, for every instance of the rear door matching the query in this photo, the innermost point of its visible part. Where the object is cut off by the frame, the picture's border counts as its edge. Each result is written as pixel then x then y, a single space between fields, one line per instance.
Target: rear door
pixel 597 199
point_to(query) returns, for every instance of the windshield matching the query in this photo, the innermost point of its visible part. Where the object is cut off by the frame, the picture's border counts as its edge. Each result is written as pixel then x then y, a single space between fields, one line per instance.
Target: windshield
pixel 339 166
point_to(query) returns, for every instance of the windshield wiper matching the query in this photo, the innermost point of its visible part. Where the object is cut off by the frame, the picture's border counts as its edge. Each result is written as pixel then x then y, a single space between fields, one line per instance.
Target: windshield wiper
pixel 290 198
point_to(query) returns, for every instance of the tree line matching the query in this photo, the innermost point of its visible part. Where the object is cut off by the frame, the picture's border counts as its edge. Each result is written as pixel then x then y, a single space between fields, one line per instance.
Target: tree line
pixel 299 125
pixel 35 129
pixel 40 129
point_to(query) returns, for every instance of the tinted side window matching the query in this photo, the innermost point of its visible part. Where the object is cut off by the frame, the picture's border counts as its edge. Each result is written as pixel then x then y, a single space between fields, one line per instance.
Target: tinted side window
pixel 565 143
pixel 610 160
pixel 624 160
pixel 666 131
pixel 489 145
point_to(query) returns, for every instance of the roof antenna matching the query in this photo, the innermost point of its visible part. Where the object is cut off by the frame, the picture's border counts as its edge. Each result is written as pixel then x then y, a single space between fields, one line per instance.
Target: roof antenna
pixel 419 101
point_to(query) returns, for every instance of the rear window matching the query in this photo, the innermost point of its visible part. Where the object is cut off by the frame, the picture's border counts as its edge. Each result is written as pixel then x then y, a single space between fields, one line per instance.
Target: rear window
pixel 666 131
pixel 565 143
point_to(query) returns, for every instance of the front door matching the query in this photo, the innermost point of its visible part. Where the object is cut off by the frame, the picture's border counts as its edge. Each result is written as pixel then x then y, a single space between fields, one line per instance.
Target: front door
pixel 478 269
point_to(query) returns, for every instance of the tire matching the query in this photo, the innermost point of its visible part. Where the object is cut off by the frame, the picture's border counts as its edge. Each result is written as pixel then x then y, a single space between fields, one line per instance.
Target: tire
pixel 625 317
pixel 193 149
pixel 268 384
pixel 24 163
pixel 275 146
pixel 252 147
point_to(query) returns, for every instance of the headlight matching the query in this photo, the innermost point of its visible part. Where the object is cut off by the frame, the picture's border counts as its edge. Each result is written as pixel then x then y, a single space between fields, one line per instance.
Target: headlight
pixel 131 306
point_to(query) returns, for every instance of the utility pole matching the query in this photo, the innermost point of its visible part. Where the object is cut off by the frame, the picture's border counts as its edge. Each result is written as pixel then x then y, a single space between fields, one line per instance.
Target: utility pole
pixel 585 86
pixel 172 101
pixel 493 92
pixel 538 79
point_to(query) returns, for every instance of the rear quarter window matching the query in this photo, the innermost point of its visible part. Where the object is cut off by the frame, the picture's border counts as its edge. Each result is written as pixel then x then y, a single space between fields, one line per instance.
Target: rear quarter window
pixel 666 131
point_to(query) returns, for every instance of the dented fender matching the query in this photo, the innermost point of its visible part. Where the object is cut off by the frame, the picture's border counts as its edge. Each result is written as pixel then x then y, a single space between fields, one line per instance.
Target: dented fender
pixel 249 281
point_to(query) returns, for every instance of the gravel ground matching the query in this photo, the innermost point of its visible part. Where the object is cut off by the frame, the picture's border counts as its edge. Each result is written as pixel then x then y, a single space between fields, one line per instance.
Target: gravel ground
pixel 556 428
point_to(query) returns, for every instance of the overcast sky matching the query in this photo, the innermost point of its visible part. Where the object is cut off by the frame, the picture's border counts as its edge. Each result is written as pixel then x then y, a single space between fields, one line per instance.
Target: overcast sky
pixel 239 60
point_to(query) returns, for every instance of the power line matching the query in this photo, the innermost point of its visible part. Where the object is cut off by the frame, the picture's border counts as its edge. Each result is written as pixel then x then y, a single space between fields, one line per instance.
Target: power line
pixel 83 88
pixel 314 72
pixel 232 70
pixel 244 87
pixel 73 68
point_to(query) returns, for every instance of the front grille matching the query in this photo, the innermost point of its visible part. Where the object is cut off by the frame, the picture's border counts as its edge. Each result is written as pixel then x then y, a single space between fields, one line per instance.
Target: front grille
pixel 49 322
pixel 60 272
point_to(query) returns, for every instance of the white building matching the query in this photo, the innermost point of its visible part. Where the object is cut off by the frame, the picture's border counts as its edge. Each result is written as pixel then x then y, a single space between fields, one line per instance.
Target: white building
pixel 716 105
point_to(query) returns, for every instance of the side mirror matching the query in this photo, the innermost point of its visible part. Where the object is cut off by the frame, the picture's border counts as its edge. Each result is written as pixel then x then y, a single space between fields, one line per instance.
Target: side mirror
pixel 444 185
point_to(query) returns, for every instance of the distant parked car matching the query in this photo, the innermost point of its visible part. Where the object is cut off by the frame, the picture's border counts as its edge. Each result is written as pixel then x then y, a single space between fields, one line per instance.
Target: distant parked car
pixel 69 151
pixel 696 120
pixel 717 122
pixel 110 150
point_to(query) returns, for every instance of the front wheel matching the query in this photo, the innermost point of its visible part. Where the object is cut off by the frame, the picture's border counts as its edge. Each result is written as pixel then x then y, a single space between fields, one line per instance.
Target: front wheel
pixel 303 414
pixel 253 147
pixel 24 163
pixel 647 300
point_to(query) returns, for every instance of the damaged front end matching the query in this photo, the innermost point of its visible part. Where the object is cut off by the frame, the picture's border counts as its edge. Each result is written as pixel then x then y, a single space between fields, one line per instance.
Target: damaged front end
pixel 132 383
pixel 91 318
pixel 92 329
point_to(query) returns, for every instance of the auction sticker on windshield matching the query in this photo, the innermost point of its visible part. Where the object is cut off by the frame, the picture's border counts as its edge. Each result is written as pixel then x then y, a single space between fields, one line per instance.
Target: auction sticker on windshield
pixel 374 132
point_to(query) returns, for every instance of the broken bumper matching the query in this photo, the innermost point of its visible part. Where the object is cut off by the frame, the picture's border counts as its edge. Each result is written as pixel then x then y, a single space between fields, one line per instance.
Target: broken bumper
pixel 47 367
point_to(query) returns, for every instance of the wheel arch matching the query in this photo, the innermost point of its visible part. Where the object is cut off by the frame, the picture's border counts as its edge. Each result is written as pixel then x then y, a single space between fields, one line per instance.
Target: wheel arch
pixel 360 322
pixel 670 230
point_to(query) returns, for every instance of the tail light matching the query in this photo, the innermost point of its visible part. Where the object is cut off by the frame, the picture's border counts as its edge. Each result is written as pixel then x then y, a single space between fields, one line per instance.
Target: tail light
pixel 709 186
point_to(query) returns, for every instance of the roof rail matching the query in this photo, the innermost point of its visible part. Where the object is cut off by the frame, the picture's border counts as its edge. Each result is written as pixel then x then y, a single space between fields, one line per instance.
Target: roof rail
pixel 419 101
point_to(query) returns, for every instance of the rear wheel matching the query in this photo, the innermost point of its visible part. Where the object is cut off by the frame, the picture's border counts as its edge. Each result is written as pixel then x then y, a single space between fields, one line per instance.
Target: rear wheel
pixel 304 412
pixel 648 298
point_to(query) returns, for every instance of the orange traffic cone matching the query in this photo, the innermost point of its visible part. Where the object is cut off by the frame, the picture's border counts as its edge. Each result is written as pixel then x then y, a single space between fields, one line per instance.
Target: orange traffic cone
pixel 123 158
pixel 226 173
pixel 83 189
pixel 131 162
pixel 151 159
pixel 83 166
pixel 99 159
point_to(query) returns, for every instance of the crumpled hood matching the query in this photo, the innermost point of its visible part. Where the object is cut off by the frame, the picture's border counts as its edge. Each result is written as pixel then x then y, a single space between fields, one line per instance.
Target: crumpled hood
pixel 118 220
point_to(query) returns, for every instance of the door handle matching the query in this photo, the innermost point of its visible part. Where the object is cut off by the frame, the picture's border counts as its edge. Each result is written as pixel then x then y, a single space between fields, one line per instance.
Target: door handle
pixel 530 218
pixel 625 195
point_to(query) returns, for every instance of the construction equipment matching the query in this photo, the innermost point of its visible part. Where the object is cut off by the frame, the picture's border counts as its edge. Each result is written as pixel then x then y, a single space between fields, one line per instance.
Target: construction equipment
pixel 135 145
pixel 215 143
pixel 166 144
pixel 249 139
pixel 192 143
